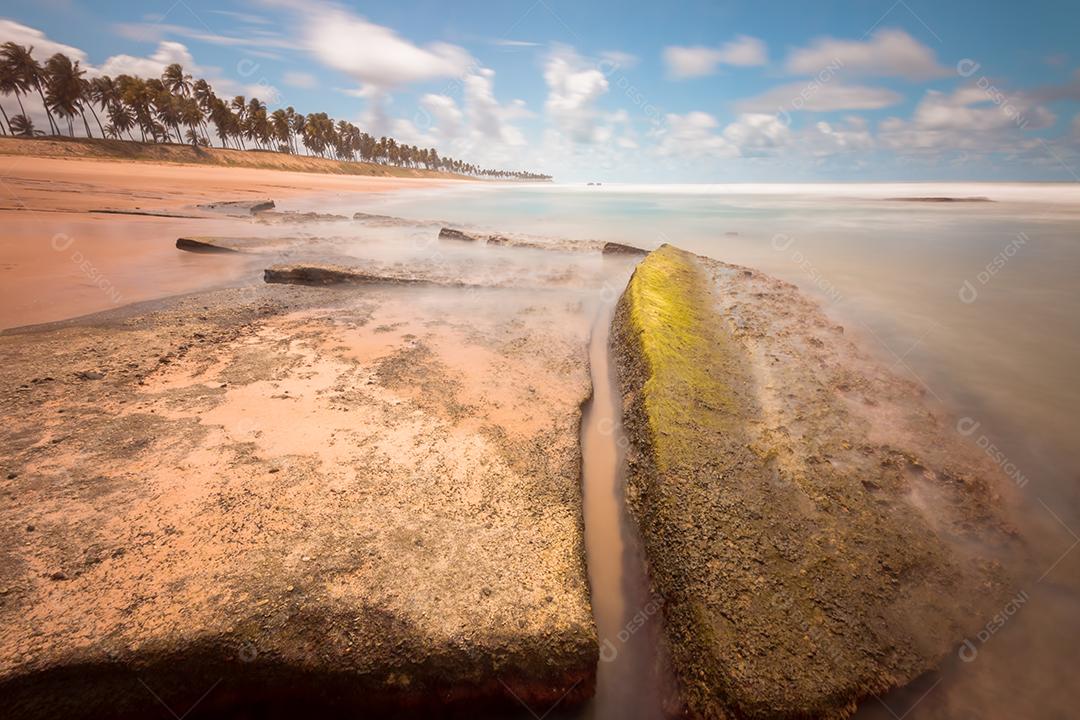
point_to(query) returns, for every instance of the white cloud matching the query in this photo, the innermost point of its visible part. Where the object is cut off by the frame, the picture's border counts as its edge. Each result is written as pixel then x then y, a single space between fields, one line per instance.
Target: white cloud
pixel 888 53
pixel 505 42
pixel 573 89
pixel 688 62
pixel 480 130
pixel 820 97
pixel 43 47
pixel 696 134
pixel 372 54
pixel 824 139
pixel 441 113
pixel 757 134
pixel 299 79
pixel 167 52
pixel 484 113
pixel 618 60
pixel 970 118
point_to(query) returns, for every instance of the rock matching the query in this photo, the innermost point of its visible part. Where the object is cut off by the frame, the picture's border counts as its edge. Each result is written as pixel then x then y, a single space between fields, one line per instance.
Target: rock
pixel 940 199
pixel 89 375
pixel 248 207
pixel 613 248
pixel 202 245
pixel 321 274
pixel 452 234
pixel 777 569
pixel 497 240
pixel 299 217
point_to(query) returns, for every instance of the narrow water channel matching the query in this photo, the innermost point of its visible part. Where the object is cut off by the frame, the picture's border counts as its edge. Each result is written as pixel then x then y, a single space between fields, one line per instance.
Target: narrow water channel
pixel 628 677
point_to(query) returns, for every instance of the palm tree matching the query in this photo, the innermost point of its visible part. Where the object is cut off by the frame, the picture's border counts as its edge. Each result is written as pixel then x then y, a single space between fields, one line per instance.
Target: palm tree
pixel 279 125
pixel 8 85
pixel 66 89
pixel 22 126
pixel 175 81
pixel 104 93
pixel 204 95
pixel 20 60
pixel 160 106
pixel 191 115
pixel 121 118
pixel 298 125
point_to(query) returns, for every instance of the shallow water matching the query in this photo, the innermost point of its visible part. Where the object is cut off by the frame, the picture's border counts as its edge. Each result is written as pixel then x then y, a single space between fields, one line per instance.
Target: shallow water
pixel 628 618
pixel 977 302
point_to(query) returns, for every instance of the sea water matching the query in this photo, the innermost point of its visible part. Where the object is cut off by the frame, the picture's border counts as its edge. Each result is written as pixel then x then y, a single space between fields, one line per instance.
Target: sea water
pixel 978 302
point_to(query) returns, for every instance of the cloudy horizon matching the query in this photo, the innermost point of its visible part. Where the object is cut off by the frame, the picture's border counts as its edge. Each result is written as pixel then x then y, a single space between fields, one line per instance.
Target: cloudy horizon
pixel 866 92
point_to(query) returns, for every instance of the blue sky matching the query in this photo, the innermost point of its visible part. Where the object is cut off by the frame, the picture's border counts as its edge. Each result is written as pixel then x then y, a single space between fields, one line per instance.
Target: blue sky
pixel 646 92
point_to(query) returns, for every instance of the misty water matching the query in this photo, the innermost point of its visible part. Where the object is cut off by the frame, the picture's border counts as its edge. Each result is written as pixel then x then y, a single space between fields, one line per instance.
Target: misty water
pixel 977 302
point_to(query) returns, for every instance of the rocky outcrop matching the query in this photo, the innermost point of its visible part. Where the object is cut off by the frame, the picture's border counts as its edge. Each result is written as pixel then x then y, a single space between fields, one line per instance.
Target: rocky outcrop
pixel 941 199
pixel 321 274
pixel 283 503
pixel 452 234
pixel 614 248
pixel 796 502
pixel 293 216
pixel 203 245
pixel 245 207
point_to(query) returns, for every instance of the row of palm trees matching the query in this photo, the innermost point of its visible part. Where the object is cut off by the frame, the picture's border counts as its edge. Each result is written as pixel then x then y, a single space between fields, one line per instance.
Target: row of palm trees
pixel 178 108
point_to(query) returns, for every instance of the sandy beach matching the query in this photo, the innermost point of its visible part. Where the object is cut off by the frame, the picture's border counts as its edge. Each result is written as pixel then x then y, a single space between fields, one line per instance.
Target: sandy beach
pixel 62 257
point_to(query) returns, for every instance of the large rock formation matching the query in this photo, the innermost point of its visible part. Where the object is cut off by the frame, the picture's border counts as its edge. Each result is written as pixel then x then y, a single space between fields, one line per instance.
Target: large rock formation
pixel 280 502
pixel 794 500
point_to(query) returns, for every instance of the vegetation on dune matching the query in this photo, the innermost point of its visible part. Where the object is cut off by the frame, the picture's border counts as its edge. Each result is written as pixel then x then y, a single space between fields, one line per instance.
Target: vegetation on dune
pixel 177 108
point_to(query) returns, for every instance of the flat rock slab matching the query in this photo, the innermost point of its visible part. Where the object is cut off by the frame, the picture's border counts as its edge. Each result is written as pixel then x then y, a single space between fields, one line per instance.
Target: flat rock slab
pixel 614 248
pixel 798 504
pixel 240 207
pixel 298 217
pixel 326 274
pixel 452 234
pixel 272 497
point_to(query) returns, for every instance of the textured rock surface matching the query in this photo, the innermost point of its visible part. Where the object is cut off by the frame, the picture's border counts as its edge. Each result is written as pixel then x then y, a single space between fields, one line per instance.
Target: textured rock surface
pixel 613 248
pixel 797 503
pixel 452 234
pixel 289 497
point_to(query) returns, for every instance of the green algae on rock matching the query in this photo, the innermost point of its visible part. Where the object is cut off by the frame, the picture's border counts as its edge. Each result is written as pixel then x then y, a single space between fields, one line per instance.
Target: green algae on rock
pixel 798 574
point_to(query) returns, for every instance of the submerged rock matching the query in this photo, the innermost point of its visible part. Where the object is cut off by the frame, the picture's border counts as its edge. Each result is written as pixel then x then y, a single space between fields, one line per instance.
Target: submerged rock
pixel 293 216
pixel 452 234
pixel 203 245
pixel 798 575
pixel 249 207
pixel 941 199
pixel 614 248
pixel 321 274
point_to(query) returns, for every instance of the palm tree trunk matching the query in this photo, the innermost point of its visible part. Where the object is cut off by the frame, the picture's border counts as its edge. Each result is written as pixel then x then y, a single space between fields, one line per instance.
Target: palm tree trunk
pixel 87 125
pixel 102 129
pixel 6 121
pixel 54 127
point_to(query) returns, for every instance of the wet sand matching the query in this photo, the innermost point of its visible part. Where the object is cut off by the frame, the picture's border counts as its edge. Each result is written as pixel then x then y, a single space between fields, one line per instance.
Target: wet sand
pixel 59 259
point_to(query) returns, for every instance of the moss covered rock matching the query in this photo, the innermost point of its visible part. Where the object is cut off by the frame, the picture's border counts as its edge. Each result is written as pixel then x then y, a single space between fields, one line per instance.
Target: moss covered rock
pixel 797 575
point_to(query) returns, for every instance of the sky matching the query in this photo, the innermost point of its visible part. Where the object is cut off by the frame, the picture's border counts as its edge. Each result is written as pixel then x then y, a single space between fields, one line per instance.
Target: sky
pixel 674 92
